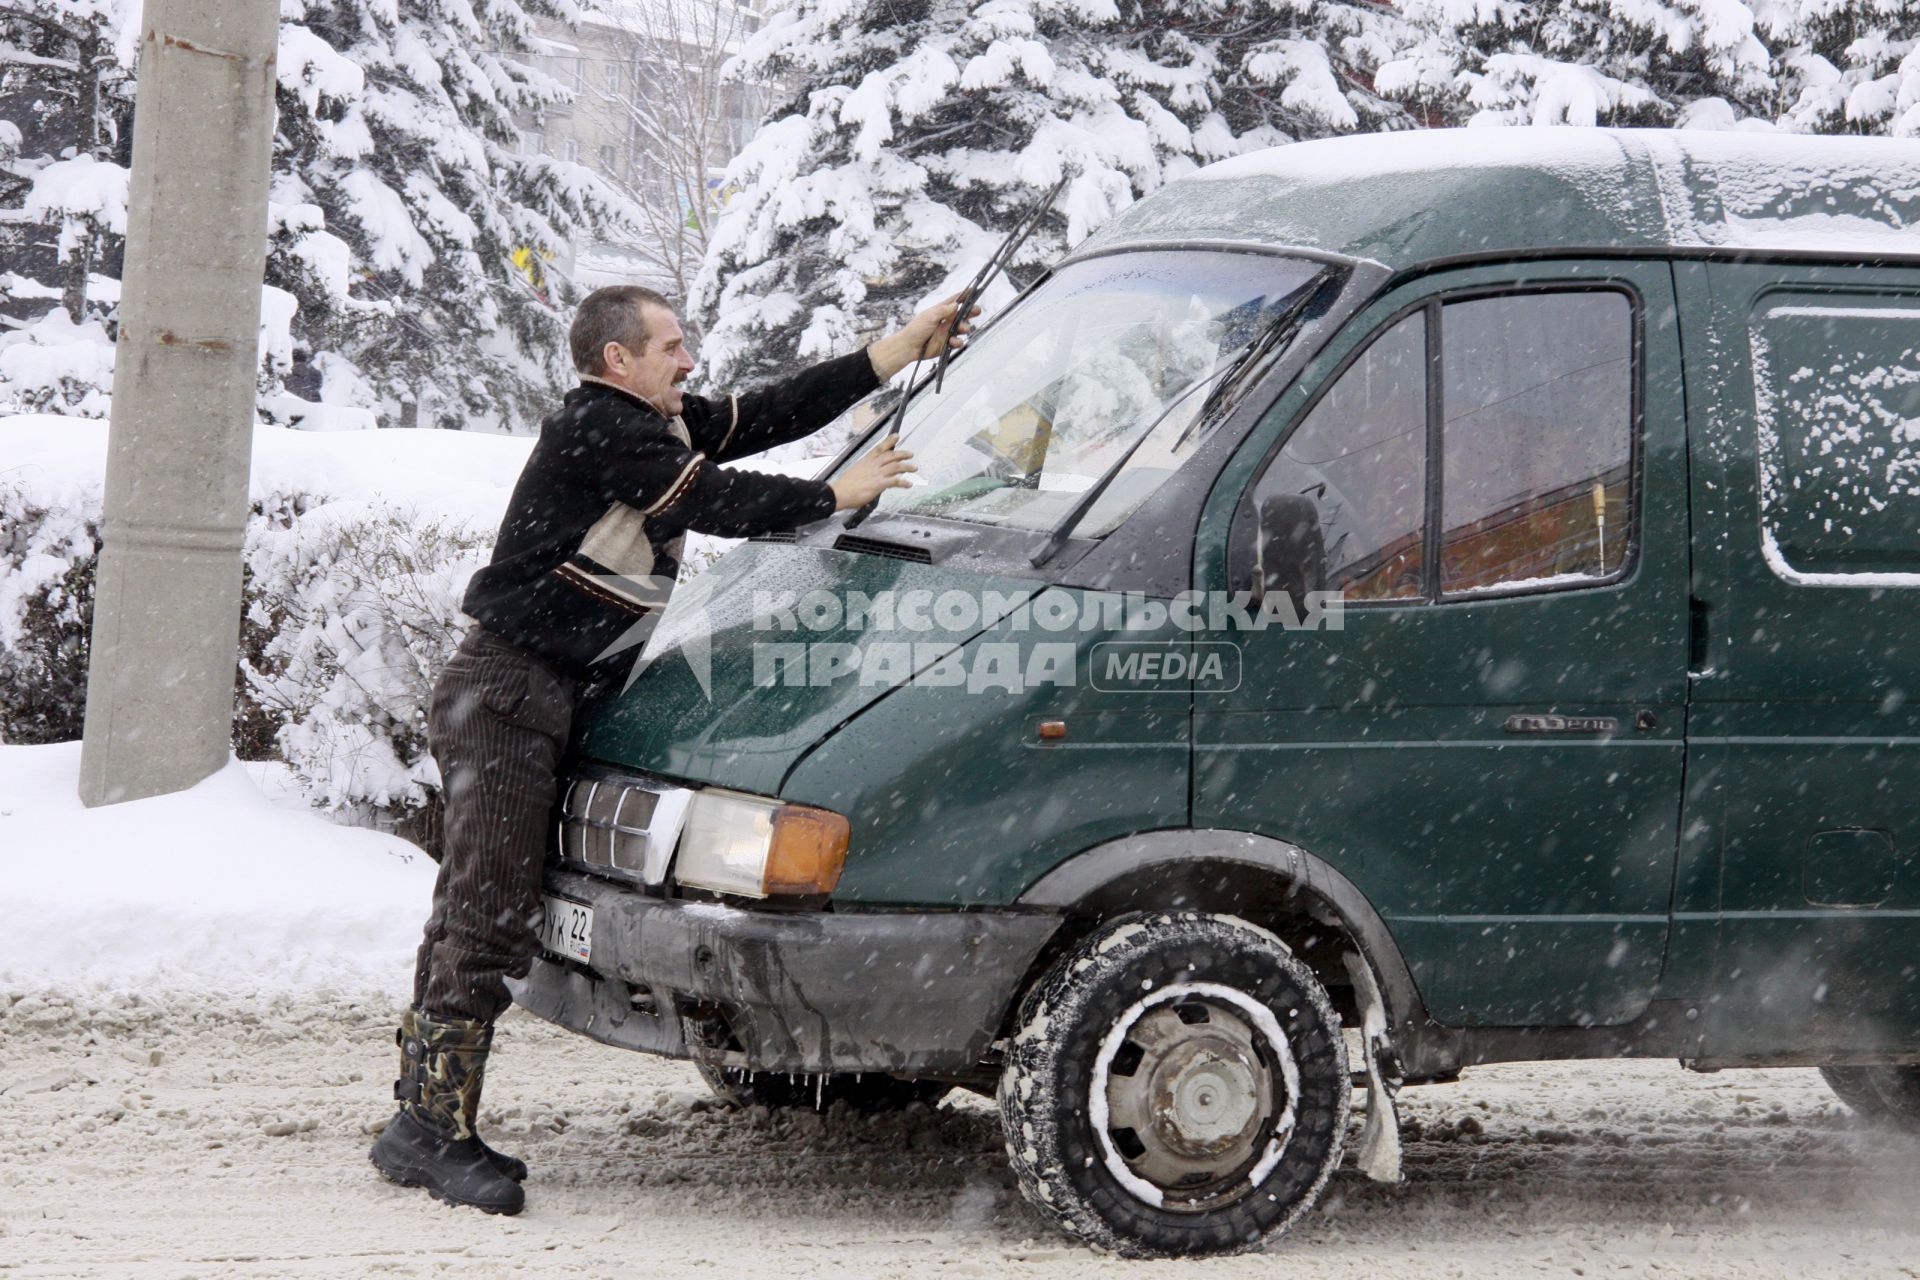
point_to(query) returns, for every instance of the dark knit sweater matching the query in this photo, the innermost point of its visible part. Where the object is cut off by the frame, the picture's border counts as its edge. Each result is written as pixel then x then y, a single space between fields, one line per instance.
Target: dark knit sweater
pixel 592 534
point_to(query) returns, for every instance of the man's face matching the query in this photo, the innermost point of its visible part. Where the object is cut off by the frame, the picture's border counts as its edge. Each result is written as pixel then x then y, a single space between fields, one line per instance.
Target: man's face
pixel 655 373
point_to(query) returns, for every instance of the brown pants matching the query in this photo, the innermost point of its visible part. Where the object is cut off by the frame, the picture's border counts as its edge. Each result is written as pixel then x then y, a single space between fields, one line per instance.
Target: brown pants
pixel 497 726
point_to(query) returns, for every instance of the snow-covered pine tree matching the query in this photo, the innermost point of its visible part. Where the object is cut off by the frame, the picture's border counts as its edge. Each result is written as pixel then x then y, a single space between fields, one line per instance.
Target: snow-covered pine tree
pixel 400 197
pixel 398 201
pixel 920 129
pixel 65 100
pixel 1849 66
pixel 1608 62
pixel 65 107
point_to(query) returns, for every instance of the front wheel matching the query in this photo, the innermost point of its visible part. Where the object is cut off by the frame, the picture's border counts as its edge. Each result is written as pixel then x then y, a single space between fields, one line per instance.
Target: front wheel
pixel 1890 1095
pixel 1178 1085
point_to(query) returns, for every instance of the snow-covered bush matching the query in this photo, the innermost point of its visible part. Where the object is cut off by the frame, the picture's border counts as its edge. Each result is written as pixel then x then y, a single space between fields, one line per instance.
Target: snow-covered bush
pixel 352 609
pixel 47 557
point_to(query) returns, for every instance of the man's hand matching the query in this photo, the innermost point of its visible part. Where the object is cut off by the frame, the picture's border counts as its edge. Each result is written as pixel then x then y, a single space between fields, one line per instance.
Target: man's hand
pixel 872 475
pixel 922 338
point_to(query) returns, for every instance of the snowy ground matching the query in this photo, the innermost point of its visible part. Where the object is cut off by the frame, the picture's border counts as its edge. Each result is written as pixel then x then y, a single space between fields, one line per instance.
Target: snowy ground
pixel 168 1137
pixel 197 996
pixel 228 886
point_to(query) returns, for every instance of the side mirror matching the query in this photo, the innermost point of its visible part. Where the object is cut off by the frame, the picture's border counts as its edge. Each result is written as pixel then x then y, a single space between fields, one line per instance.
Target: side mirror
pixel 1289 552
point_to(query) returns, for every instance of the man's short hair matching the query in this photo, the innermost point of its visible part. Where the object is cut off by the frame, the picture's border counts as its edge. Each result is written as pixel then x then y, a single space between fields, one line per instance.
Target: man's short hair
pixel 612 314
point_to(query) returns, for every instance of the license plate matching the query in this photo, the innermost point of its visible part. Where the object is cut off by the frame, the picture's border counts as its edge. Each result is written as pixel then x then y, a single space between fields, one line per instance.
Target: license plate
pixel 568 929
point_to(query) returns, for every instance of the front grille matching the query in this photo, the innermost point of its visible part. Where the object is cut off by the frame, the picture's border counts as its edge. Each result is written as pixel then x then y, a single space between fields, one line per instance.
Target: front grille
pixel 621 824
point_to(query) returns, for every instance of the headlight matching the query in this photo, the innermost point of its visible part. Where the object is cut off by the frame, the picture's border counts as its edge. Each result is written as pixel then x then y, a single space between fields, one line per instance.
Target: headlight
pixel 734 842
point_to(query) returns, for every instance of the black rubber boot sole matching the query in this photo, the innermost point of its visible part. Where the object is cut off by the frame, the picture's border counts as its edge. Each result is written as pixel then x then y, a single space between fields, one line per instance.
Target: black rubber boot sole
pixel 404 1177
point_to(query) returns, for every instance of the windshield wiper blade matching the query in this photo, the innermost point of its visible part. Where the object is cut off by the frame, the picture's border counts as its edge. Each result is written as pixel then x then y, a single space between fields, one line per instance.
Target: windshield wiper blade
pixel 1276 335
pixel 1057 538
pixel 1224 376
pixel 1002 259
pixel 889 421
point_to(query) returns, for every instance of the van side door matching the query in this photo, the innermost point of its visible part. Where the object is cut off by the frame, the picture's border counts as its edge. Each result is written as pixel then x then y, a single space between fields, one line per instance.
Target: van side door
pixel 1802 855
pixel 1490 747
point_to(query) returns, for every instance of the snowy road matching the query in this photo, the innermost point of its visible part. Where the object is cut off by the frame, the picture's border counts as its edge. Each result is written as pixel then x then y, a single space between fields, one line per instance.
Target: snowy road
pixel 161 1139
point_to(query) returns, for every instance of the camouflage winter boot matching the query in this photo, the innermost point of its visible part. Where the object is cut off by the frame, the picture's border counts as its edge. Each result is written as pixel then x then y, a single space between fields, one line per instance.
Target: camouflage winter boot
pixel 430 1141
pixel 413 1069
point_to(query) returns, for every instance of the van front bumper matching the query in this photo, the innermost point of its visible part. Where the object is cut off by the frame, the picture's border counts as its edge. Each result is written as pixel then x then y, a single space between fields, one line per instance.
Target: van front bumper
pixel 908 992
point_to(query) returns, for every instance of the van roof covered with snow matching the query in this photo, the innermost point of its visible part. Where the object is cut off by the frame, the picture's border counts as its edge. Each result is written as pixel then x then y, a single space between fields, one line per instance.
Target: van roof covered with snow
pixel 1412 198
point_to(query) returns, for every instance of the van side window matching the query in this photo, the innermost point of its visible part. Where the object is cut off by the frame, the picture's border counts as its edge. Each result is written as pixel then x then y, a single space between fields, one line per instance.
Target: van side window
pixel 1361 455
pixel 1536 439
pixel 1837 386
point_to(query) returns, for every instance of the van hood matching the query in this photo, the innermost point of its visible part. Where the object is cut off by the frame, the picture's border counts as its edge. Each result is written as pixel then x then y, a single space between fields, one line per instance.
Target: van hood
pixel 711 702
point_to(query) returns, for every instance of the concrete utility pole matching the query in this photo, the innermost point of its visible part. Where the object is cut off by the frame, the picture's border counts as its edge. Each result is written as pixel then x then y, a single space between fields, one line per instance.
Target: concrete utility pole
pixel 166 619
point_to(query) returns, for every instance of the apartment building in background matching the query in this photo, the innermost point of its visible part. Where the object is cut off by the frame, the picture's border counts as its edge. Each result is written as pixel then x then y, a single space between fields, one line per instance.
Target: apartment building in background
pixel 622 61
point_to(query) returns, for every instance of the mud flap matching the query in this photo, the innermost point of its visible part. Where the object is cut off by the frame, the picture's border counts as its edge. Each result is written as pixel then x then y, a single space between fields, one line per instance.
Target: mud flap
pixel 1378 1152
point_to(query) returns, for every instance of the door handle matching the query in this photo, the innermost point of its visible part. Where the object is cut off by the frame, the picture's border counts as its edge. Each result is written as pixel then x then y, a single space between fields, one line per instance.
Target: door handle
pixel 1699 614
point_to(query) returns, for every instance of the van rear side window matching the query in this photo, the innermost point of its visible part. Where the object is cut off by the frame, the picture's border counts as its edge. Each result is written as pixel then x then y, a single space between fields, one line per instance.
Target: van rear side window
pixel 1837 389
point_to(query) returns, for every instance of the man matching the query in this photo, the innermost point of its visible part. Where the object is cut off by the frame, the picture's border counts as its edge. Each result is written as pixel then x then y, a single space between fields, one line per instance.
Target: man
pixel 622 470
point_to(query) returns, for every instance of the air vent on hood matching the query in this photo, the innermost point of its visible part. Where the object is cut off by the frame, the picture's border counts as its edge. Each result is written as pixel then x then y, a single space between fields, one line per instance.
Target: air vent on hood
pixel 778 535
pixel 881 547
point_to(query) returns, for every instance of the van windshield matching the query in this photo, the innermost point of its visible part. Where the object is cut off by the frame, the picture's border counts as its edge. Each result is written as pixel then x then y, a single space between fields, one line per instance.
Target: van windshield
pixel 1052 396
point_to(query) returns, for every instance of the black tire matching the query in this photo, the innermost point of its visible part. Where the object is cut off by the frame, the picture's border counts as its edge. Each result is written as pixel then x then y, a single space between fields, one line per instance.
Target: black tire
pixel 1889 1095
pixel 780 1089
pixel 1225 1051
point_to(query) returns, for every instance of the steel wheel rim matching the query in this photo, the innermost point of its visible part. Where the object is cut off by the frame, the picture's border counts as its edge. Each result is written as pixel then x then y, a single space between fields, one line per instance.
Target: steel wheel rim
pixel 1193 1096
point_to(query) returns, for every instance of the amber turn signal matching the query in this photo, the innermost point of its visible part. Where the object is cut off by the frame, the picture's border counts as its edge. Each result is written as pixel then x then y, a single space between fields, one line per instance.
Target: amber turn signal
pixel 809 850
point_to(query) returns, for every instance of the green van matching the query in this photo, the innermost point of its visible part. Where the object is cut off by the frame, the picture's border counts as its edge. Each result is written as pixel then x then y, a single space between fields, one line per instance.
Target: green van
pixel 1379 606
